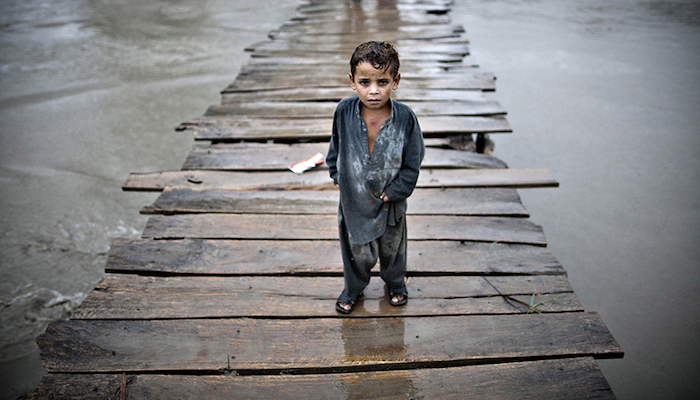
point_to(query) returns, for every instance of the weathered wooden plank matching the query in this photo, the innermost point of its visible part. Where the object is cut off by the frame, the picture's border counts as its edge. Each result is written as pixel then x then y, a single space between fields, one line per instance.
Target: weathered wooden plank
pixel 278 157
pixel 326 109
pixel 460 48
pixel 406 56
pixel 318 258
pixel 137 297
pixel 429 178
pixel 474 202
pixel 416 69
pixel 475 80
pixel 319 129
pixel 324 227
pixel 564 379
pixel 319 344
pixel 336 94
pixel 340 34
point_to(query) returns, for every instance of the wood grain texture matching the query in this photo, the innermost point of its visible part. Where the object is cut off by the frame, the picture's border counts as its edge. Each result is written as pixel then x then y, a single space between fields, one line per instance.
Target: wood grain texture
pixel 324 227
pixel 221 128
pixel 278 157
pixel 281 109
pixel 473 202
pixel 336 94
pixel 321 344
pixel 137 297
pixel 429 178
pixel 318 258
pixel 566 379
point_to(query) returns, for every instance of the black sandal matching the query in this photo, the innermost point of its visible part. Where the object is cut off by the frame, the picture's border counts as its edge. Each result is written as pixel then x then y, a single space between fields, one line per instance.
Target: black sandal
pixel 396 293
pixel 346 299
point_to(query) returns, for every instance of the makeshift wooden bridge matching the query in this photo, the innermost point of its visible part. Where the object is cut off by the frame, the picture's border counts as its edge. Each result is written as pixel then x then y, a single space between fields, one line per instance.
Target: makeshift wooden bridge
pixel 230 292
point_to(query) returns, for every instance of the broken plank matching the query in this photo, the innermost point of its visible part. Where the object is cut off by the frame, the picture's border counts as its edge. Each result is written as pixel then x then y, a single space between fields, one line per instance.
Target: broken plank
pixel 248 128
pixel 320 344
pixel 281 109
pixel 279 157
pixel 474 202
pixel 318 258
pixel 138 297
pixel 324 227
pixel 558 379
pixel 428 178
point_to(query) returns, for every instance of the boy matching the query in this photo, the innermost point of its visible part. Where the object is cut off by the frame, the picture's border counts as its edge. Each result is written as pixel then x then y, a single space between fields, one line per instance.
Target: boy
pixel 374 159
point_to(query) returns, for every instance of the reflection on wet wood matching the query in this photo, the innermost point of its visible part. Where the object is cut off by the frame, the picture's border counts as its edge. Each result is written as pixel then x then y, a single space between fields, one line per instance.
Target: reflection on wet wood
pixel 319 258
pixel 564 379
pixel 314 345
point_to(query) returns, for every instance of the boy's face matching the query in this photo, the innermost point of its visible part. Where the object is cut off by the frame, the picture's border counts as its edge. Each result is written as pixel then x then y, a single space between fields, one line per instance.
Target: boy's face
pixel 373 86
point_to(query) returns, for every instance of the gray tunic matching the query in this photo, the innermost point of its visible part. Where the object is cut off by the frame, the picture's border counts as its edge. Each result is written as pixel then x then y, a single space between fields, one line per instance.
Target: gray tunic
pixel 392 169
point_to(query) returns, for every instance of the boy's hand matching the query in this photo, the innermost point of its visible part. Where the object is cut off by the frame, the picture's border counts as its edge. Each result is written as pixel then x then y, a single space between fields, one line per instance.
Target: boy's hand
pixel 384 197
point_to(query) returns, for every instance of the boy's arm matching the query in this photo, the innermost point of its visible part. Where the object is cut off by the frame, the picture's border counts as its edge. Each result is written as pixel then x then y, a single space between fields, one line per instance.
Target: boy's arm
pixel 332 156
pixel 405 182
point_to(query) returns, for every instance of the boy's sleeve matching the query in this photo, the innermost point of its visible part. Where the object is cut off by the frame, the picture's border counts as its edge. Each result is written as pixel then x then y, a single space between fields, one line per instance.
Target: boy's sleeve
pixel 332 156
pixel 414 150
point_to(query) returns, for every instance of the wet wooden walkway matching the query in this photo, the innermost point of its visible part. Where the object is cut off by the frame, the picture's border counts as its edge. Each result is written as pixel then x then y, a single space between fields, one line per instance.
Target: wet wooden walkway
pixel 230 291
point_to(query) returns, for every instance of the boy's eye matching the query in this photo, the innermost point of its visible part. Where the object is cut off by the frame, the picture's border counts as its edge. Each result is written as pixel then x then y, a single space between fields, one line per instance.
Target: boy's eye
pixel 383 82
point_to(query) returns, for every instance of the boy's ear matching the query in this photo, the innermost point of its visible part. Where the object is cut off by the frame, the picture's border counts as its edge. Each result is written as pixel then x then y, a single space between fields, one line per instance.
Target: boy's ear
pixel 397 78
pixel 352 81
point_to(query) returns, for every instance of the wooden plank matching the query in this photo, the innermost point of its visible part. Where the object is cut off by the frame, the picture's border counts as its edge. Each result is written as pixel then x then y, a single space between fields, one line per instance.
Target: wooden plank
pixel 324 227
pixel 319 344
pixel 564 379
pixel 406 56
pixel 265 68
pixel 278 157
pixel 340 34
pixel 336 94
pixel 473 202
pixel 460 48
pixel 429 178
pixel 137 297
pixel 318 258
pixel 319 129
pixel 326 109
pixel 473 81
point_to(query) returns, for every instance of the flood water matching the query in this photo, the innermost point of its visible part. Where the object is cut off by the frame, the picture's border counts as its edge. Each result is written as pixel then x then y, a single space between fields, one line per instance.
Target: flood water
pixel 604 94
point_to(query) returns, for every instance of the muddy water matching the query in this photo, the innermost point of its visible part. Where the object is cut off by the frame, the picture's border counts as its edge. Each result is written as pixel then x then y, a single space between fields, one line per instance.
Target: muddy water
pixel 606 96
pixel 90 91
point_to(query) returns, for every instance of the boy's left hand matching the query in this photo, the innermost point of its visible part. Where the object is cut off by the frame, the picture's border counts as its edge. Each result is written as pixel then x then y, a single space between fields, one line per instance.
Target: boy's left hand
pixel 384 198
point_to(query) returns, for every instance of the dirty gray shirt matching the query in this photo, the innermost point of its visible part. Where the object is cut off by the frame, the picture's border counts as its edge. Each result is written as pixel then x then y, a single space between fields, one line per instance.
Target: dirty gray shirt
pixel 392 169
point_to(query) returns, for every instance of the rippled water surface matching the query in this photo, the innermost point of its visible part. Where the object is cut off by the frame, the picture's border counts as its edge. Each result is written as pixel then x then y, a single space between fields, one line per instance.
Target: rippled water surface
pixel 604 94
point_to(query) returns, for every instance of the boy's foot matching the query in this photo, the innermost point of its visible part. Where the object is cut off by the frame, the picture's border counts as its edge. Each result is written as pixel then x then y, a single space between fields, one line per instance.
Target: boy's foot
pixel 346 303
pixel 398 297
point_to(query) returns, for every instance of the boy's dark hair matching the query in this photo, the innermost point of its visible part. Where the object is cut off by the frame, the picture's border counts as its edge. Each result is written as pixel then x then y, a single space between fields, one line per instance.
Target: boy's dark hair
pixel 381 55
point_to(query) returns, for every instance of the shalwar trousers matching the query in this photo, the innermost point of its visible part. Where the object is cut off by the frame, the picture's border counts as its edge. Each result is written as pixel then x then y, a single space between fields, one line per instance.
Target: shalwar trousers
pixel 359 259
